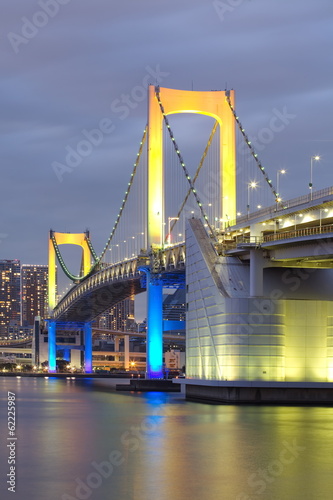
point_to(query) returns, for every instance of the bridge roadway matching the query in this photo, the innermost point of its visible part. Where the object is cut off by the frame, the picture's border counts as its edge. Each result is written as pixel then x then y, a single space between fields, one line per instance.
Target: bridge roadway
pixel 98 333
pixel 298 233
pixel 289 231
pixel 116 282
pixel 22 350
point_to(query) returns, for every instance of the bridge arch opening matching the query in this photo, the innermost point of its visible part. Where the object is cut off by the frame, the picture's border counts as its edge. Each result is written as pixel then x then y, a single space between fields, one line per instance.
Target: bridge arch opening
pixel 163 102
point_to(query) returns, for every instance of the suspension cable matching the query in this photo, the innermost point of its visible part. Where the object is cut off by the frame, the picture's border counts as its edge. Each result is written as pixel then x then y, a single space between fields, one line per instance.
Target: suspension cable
pixel 181 161
pixel 78 279
pixel 251 148
pixel 204 154
pixel 69 275
pixel 130 183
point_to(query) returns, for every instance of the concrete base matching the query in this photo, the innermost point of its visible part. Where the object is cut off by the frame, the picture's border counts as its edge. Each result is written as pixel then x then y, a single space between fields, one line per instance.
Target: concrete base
pixel 138 385
pixel 277 395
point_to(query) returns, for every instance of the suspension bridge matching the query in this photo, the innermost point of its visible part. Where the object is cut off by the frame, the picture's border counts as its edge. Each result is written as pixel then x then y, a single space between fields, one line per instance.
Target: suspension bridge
pixel 166 197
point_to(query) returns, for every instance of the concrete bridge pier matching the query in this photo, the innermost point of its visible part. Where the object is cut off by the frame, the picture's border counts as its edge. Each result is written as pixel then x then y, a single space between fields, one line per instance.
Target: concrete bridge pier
pixel 87 348
pixel 52 347
pixel 154 345
pixel 126 352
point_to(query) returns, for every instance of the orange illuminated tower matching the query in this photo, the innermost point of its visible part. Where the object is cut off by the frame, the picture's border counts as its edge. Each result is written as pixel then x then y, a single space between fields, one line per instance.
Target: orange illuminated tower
pixel 210 103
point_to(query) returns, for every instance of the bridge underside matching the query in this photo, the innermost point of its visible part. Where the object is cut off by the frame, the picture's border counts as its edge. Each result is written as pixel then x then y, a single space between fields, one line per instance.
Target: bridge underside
pixel 101 298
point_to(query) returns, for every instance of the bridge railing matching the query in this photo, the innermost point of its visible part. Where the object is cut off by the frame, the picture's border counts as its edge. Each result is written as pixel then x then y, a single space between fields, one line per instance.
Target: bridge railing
pixel 273 210
pixel 307 231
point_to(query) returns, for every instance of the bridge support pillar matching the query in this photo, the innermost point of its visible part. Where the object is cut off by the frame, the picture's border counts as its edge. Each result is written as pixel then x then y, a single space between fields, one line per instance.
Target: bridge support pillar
pixel 126 352
pixel 256 273
pixel 116 343
pixel 52 347
pixel 87 348
pixel 35 342
pixel 255 231
pixel 154 347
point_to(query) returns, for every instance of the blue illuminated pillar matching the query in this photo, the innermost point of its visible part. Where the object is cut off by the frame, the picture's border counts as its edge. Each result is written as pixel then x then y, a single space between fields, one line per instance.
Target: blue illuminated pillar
pixel 154 326
pixel 51 327
pixel 87 348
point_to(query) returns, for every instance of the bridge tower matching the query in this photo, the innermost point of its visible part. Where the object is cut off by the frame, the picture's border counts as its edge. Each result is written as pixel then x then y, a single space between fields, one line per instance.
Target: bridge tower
pixel 56 239
pixel 211 103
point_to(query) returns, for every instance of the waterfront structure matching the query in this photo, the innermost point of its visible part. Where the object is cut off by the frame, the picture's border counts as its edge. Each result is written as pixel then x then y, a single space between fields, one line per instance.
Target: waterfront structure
pixel 10 303
pixel 174 359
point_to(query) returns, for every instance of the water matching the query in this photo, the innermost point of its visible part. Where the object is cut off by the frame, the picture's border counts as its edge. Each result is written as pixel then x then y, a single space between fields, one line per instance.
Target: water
pixel 81 440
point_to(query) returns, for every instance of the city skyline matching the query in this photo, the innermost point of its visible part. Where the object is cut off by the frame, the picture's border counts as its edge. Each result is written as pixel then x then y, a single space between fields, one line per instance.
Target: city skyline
pixel 23 295
pixel 58 87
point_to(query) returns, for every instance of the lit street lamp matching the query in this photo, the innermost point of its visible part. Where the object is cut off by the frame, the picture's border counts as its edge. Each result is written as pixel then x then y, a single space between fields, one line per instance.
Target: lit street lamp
pixel 278 173
pixel 251 185
pixel 316 158
pixel 321 210
pixel 299 215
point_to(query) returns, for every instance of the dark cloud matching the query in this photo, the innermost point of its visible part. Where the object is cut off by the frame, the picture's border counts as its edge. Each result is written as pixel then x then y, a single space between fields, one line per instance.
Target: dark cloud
pixel 68 76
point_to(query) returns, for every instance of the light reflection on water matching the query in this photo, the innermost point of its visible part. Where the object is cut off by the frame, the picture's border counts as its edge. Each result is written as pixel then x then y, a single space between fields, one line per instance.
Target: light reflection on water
pixel 162 447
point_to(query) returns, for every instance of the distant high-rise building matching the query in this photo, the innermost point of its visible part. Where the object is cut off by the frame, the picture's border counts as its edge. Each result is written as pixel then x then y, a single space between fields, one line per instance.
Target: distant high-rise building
pixel 34 292
pixel 119 317
pixel 10 303
pixel 174 305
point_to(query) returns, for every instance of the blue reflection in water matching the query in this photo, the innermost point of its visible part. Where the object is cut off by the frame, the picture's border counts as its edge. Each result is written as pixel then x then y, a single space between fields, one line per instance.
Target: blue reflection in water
pixel 80 439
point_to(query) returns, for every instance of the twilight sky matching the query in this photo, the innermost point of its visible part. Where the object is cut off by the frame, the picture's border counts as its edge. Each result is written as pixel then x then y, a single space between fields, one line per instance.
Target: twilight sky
pixel 68 65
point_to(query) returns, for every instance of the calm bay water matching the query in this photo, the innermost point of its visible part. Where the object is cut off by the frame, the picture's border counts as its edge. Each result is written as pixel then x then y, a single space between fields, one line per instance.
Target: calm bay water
pixel 82 440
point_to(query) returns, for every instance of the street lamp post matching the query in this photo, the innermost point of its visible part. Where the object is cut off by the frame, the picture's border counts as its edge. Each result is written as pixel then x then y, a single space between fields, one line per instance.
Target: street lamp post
pixel 251 185
pixel 299 215
pixel 278 173
pixel 316 158
pixel 321 210
pixel 169 226
pixel 126 249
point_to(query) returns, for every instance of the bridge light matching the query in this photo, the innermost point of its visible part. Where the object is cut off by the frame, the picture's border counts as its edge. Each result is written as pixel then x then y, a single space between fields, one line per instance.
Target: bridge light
pixel 251 185
pixel 278 173
pixel 316 158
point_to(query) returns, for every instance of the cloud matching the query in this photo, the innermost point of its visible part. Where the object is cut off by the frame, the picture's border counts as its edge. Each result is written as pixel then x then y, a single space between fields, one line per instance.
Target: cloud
pixel 65 79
